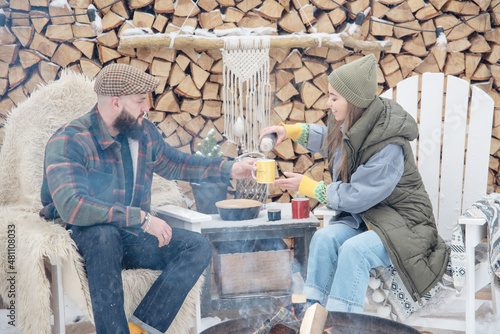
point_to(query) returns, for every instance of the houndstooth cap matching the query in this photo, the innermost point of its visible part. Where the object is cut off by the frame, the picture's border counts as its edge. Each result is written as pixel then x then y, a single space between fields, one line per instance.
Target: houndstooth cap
pixel 121 79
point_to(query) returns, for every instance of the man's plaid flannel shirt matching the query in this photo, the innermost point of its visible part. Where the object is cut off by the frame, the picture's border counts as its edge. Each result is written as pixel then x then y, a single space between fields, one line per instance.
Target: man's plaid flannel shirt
pixel 83 181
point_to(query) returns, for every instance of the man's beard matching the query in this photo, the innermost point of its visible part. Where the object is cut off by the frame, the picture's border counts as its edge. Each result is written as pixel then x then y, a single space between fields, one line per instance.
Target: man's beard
pixel 129 126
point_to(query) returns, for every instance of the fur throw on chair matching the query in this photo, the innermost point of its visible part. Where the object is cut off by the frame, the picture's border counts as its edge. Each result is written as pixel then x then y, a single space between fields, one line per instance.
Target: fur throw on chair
pixel 27 130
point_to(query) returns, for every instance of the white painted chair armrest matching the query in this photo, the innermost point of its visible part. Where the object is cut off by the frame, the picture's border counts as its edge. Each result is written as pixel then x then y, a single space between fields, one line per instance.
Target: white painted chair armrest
pixel 177 216
pixel 56 289
pixel 475 232
pixel 327 214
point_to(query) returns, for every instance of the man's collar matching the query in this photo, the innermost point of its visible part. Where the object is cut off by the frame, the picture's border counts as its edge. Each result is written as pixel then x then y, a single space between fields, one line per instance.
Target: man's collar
pixel 100 130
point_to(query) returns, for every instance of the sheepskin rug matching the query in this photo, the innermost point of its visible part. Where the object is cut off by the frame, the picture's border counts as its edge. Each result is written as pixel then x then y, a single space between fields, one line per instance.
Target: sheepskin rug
pixel 27 130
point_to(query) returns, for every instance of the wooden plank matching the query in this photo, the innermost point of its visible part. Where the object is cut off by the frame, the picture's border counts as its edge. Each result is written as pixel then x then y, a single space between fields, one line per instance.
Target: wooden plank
pixel 452 161
pixel 478 146
pixel 253 272
pixel 407 97
pixel 429 146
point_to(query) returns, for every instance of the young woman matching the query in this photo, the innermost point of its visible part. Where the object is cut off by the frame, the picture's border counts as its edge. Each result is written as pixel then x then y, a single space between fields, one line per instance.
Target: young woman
pixel 386 212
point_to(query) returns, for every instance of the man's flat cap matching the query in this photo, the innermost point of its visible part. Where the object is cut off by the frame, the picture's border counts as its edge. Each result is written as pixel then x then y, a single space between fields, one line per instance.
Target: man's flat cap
pixel 121 79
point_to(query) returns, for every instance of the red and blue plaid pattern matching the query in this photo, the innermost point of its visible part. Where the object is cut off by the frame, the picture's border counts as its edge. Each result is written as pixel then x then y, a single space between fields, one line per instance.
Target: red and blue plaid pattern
pixel 83 182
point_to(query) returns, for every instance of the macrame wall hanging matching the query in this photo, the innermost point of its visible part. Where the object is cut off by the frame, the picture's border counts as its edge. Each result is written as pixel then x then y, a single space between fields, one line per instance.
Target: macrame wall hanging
pixel 246 90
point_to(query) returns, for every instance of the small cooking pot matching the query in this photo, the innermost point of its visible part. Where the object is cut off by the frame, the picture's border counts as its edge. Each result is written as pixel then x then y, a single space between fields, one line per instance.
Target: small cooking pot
pixel 238 209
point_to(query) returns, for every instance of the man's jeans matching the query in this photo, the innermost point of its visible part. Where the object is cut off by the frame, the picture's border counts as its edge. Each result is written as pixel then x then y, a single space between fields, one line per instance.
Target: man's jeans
pixel 338 271
pixel 107 250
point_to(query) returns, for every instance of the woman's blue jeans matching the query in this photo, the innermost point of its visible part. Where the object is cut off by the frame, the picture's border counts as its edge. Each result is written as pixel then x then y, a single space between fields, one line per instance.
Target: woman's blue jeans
pixel 107 250
pixel 338 271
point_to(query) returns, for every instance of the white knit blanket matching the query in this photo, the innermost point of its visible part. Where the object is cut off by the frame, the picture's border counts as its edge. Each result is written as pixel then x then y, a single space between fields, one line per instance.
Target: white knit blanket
pixel 487 208
pixel 397 302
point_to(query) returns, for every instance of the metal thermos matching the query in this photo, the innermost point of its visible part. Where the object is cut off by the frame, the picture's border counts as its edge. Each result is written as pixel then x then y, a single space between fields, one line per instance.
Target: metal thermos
pixel 267 142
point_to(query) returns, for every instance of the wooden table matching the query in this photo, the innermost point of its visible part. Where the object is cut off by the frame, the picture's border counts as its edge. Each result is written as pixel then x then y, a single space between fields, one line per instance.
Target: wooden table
pixel 218 230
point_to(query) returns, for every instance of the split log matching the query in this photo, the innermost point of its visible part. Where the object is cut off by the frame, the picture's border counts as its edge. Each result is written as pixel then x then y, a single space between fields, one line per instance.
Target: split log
pixel 314 320
pixel 89 67
pixel 83 31
pixel 85 46
pixel 298 112
pixel 195 125
pixel 302 74
pixel 160 67
pixel 107 54
pixel 472 61
pixel 108 39
pixel 192 106
pixel 427 13
pixel 282 78
pixel 164 6
pixel 408 63
pixel 185 8
pixel 287 92
pixel 315 67
pixel 17 74
pixel 111 21
pixel 43 45
pixel 61 15
pixel 458 45
pixel 18 94
pixel 302 163
pixel 4 69
pixel 210 20
pixel 143 20
pixel 160 22
pixel 401 13
pixel 271 9
pixel 33 82
pixel 29 58
pixel 182 118
pixel 309 94
pixel 482 73
pixel 200 76
pixel 187 88
pixel 455 64
pixel 23 5
pixel 48 70
pixel 8 53
pixel 134 4
pixel 24 34
pixel 4 85
pixel 212 109
pixel 285 150
pixel 211 91
pixel 167 102
pixel 168 126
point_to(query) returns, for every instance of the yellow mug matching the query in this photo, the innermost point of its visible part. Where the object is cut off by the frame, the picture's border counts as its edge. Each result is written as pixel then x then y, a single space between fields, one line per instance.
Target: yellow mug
pixel 265 171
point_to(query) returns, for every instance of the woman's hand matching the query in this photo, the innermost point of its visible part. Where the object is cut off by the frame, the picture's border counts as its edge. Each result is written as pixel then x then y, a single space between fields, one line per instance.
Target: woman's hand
pixel 278 129
pixel 291 183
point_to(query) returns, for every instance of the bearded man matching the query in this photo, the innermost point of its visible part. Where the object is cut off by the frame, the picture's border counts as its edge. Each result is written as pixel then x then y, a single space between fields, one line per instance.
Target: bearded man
pixel 98 171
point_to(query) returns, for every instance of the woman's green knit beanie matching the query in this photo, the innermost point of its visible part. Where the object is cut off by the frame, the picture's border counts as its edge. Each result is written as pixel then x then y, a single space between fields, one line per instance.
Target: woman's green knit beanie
pixel 356 81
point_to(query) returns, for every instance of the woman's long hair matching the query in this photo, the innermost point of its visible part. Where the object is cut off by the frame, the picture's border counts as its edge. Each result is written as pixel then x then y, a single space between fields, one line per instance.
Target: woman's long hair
pixel 334 137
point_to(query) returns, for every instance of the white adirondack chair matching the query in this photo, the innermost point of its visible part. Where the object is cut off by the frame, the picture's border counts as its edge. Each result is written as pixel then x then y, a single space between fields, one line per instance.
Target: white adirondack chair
pixel 452 153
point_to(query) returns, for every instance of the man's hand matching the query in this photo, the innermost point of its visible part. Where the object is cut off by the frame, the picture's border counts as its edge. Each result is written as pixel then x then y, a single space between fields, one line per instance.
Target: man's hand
pixel 243 169
pixel 291 183
pixel 160 229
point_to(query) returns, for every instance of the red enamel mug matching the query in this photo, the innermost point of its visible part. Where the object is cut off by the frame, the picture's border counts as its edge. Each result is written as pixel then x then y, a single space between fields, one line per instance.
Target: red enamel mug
pixel 300 208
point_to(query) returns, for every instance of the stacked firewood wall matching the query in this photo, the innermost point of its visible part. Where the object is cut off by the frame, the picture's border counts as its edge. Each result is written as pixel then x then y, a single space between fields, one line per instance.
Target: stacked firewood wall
pixel 42 37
